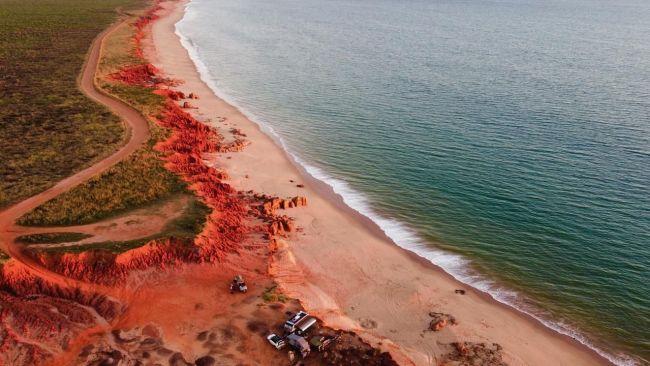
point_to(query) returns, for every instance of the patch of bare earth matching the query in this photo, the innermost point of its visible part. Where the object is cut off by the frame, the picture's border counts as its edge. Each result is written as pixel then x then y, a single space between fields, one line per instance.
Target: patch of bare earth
pixel 136 224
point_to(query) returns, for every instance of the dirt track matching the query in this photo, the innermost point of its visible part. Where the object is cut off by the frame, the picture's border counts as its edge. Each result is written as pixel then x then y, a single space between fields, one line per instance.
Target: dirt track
pixel 137 132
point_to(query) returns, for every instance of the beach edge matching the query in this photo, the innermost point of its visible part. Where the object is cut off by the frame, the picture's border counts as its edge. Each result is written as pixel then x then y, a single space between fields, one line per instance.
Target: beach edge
pixel 327 193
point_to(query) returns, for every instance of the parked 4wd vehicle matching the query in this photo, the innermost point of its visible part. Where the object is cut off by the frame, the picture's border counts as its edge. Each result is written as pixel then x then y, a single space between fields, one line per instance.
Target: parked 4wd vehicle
pixel 238 284
pixel 276 341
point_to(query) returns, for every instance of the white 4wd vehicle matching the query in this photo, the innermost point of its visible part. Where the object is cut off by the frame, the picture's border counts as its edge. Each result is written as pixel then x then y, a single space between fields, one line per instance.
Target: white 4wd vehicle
pixel 276 341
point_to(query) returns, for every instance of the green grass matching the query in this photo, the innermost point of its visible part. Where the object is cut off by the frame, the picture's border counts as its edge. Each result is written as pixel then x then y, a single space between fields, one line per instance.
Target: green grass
pixel 3 257
pixel 133 183
pixel 51 238
pixel 184 228
pixel 48 128
pixel 137 181
pixel 110 246
pixel 137 96
pixel 190 223
pixel 272 294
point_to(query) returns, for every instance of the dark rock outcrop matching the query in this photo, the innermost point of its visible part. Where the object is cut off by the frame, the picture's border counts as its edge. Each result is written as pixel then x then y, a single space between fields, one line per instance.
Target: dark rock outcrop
pixel 440 320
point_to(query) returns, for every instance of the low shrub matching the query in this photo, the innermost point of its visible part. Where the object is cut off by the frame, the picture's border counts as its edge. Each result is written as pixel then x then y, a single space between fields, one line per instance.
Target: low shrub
pixel 51 238
pixel 139 180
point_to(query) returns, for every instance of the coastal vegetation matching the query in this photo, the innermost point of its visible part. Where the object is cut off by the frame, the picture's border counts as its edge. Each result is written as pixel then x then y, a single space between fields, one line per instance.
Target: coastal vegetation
pixel 48 127
pixel 51 238
pixel 105 246
pixel 135 182
pixel 139 180
pixel 273 294
pixel 183 229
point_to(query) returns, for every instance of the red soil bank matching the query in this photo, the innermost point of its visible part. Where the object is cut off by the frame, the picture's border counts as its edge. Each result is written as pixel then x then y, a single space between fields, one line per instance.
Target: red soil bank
pixel 142 75
pixel 225 229
pixel 171 94
pixel 140 26
pixel 108 268
pixel 18 280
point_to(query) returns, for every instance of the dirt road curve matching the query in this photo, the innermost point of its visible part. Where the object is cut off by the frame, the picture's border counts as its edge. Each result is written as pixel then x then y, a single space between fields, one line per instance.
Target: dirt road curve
pixel 138 133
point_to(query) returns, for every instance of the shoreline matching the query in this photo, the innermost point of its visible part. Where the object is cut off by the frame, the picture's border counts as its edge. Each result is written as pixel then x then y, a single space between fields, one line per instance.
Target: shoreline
pixel 297 269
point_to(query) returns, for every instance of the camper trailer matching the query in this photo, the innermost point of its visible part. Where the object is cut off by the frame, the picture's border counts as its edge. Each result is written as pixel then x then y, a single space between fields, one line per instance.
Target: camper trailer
pixel 290 325
pixel 305 324
pixel 299 323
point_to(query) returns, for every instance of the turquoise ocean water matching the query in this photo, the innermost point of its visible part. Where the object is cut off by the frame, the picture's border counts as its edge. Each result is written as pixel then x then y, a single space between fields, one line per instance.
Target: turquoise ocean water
pixel 506 141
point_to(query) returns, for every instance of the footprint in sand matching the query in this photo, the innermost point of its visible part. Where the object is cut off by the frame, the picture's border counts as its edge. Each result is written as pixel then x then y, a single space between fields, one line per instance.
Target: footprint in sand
pixel 368 323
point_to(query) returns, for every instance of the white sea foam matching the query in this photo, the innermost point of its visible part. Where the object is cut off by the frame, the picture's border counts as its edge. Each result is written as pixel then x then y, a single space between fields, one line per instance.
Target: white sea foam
pixel 457 266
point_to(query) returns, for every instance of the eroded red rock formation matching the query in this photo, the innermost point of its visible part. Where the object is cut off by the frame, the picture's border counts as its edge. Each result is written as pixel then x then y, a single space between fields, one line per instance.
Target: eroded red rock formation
pixel 225 229
pixel 233 146
pixel 271 204
pixel 469 353
pixel 441 320
pixel 18 280
pixel 140 26
pixel 237 132
pixel 281 225
pixel 141 74
pixel 108 268
pixel 277 225
pixel 171 94
pixel 39 318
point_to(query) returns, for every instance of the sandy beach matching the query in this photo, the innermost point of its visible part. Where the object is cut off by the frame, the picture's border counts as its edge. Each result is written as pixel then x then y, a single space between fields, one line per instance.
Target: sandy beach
pixel 340 265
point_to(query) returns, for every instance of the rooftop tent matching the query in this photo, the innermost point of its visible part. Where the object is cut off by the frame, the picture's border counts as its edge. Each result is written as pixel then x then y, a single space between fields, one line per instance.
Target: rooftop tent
pixel 304 325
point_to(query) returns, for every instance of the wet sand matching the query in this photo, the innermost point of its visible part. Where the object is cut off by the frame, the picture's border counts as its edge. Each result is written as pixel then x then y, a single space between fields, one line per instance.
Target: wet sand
pixel 341 266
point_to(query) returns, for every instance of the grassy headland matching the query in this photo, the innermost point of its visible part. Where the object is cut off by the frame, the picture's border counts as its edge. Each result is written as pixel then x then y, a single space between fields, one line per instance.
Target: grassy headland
pixel 49 129
pixel 133 183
